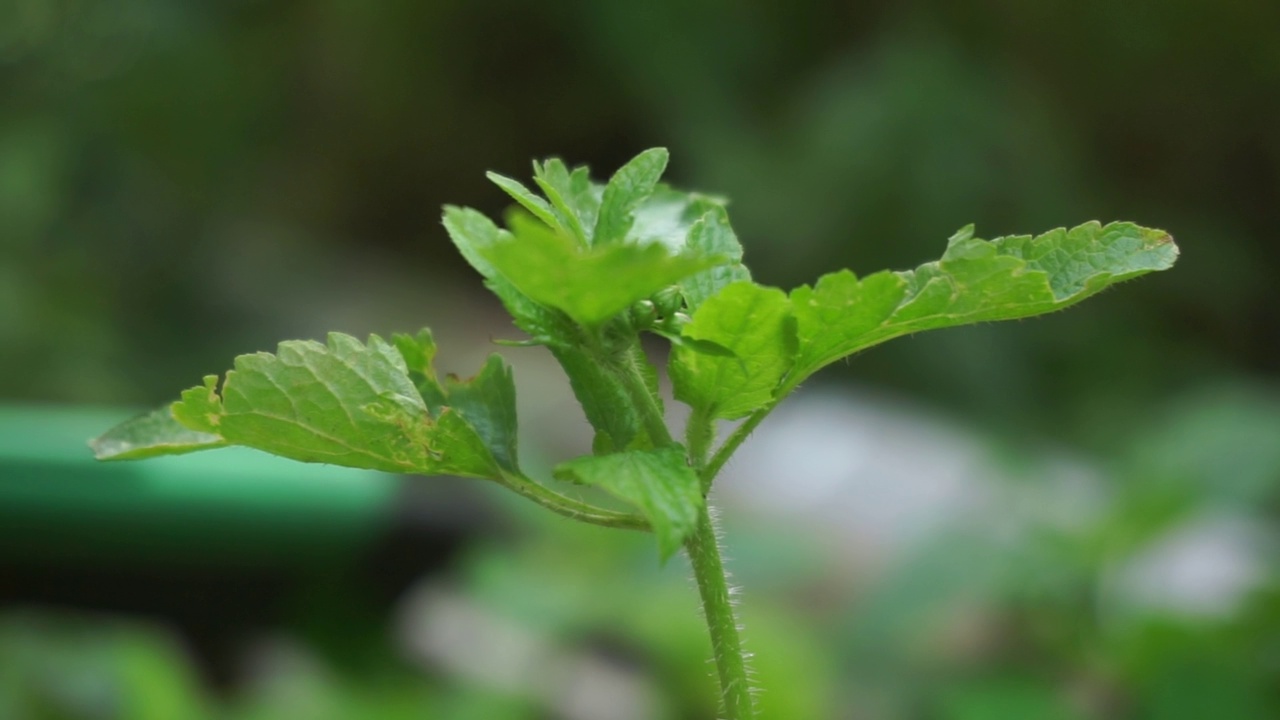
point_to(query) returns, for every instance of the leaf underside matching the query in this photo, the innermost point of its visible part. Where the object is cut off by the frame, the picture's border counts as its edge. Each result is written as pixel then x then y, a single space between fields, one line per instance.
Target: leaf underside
pixel 152 435
pixel 658 482
pixel 346 403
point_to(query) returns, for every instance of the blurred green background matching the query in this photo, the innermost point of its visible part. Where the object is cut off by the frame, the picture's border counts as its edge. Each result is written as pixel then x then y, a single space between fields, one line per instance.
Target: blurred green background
pixel 1072 517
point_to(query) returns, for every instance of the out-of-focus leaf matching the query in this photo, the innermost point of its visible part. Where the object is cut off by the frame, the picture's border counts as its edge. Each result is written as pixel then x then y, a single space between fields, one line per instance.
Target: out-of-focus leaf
pixel 589 285
pixel 153 434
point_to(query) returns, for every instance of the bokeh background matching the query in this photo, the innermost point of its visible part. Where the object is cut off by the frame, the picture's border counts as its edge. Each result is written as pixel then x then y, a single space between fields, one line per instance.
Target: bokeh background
pixel 1072 517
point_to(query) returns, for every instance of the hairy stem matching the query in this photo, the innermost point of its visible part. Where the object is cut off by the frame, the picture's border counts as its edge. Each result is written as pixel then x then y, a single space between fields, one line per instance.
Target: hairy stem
pixel 713 586
pixel 704 555
pixel 571 508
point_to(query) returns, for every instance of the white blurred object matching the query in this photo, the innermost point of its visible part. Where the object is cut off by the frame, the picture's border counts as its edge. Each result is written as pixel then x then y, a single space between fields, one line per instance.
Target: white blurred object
pixel 875 479
pixel 1204 567
pixel 442 628
pixel 876 475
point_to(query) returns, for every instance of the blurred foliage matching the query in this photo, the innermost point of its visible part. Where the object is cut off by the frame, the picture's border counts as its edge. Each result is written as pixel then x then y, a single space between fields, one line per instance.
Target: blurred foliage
pixel 183 181
pixel 1030 617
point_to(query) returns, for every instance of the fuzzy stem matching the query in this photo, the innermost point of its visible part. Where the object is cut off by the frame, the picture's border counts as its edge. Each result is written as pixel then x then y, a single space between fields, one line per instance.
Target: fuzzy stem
pixel 704 555
pixel 713 586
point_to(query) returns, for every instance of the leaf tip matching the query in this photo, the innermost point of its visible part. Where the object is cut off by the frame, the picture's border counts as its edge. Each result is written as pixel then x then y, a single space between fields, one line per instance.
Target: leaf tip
pixel 961 235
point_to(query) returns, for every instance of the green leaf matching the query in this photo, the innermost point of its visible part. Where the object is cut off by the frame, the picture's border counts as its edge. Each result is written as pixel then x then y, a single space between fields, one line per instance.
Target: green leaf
pixel 629 186
pixel 487 401
pixel 475 234
pixel 534 204
pixel 584 198
pixel 755 324
pixel 346 403
pixel 667 216
pixel 975 281
pixel 589 285
pixel 711 236
pixel 151 435
pixel 659 483
pixel 570 197
pixel 200 408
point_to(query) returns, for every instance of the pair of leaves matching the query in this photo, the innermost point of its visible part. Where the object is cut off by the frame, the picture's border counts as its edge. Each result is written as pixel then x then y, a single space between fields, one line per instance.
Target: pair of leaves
pixel 780 340
pixel 376 405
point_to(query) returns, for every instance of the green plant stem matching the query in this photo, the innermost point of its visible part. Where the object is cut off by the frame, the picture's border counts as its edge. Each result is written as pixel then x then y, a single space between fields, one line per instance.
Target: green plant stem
pixel 713 586
pixel 698 434
pixel 704 556
pixel 571 508
pixel 722 455
pixel 655 424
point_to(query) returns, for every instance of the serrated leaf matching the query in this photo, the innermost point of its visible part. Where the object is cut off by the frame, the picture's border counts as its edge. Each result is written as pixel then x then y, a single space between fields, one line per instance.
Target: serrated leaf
pixel 711 236
pixel 589 285
pixel 344 403
pixel 487 402
pixel 754 323
pixel 151 435
pixel 975 281
pixel 658 482
pixel 629 186
pixel 200 408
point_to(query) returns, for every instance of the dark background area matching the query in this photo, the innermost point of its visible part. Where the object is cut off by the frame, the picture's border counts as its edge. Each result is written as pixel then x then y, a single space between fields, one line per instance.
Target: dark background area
pixel 181 182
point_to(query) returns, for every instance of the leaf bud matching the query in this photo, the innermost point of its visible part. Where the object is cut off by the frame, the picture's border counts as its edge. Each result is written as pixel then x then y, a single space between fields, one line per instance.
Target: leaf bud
pixel 668 301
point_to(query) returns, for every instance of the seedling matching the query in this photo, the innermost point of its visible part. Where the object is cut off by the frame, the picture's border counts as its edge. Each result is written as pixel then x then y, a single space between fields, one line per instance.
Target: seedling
pixel 586 269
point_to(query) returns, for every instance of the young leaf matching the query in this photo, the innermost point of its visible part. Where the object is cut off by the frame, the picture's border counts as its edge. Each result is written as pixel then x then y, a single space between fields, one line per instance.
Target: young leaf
pixel 568 199
pixel 975 281
pixel 755 324
pixel 589 285
pixel 151 435
pixel 712 236
pixel 628 187
pixel 475 234
pixel 659 483
pixel 534 204
pixel 584 198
